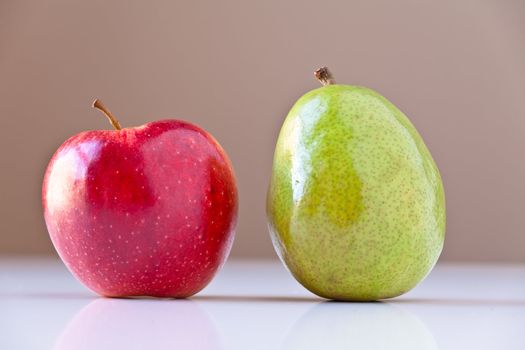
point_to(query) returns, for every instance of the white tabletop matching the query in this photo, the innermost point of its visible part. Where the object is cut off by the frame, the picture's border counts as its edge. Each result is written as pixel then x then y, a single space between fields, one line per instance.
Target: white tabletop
pixel 258 305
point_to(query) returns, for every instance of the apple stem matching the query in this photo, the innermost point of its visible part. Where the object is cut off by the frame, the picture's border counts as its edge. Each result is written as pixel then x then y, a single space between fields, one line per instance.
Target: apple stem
pixel 324 76
pixel 100 106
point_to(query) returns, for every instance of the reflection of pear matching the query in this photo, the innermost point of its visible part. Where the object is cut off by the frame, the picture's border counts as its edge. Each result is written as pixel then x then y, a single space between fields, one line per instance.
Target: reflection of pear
pixel 330 325
pixel 139 324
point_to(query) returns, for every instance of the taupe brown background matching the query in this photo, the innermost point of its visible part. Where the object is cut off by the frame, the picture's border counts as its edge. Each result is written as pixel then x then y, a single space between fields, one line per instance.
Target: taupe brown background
pixel 456 68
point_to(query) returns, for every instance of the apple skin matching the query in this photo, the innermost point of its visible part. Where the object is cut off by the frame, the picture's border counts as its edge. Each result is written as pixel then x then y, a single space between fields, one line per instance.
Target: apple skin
pixel 145 211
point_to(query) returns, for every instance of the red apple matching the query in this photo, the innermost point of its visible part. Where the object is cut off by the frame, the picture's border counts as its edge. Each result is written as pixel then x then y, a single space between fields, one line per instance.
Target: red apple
pixel 149 210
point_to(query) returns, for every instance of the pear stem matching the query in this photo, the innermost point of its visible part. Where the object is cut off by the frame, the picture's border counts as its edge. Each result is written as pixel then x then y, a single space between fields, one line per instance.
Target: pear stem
pixel 100 106
pixel 324 76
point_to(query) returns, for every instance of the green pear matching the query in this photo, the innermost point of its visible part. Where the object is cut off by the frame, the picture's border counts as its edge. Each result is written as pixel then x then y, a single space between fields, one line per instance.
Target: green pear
pixel 356 206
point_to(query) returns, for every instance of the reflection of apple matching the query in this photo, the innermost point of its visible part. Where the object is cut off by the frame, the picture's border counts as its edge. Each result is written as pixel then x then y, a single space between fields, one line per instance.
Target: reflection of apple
pixel 335 325
pixel 139 324
pixel 149 210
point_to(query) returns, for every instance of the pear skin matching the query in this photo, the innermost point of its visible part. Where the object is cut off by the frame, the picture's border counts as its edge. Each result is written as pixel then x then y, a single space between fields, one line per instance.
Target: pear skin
pixel 355 206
